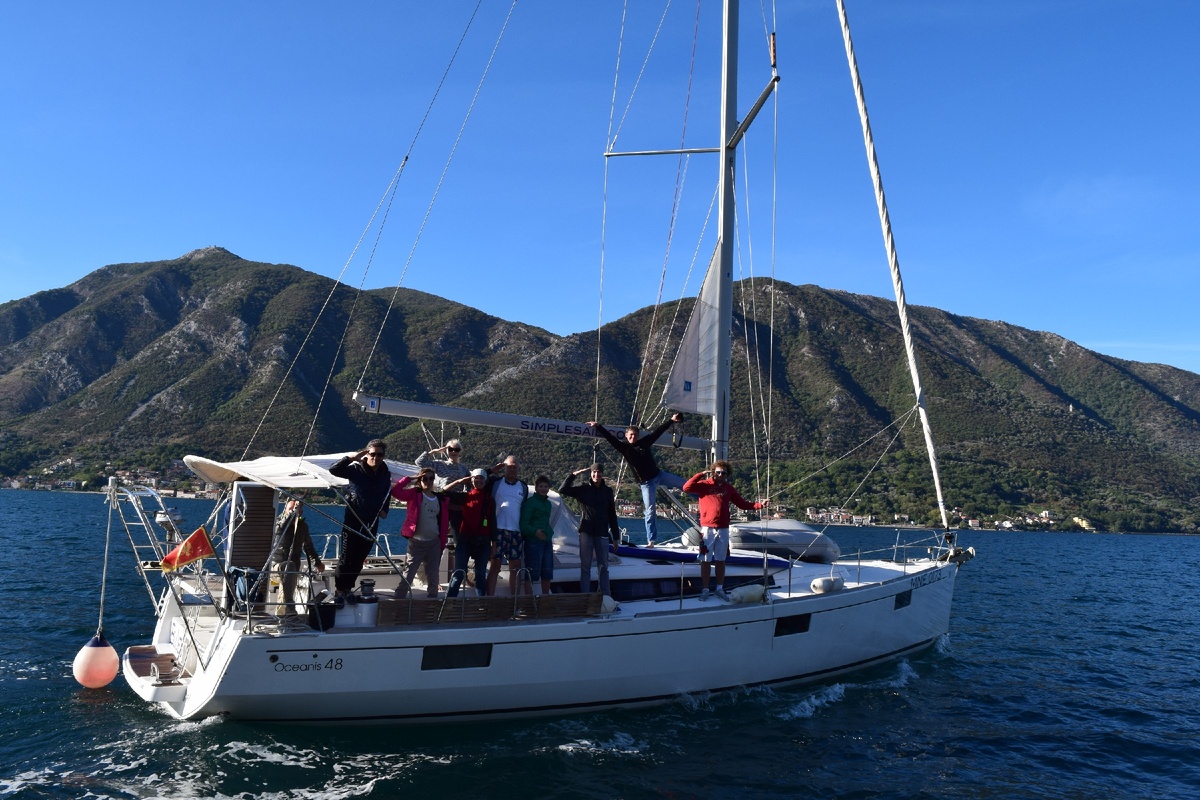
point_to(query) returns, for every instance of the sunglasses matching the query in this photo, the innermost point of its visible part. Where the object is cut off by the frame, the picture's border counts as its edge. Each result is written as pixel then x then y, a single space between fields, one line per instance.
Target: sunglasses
pixel 454 449
pixel 374 455
pixel 718 472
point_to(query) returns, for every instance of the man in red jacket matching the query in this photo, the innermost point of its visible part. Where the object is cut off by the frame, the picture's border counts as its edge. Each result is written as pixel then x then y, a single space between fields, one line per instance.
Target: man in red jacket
pixel 715 493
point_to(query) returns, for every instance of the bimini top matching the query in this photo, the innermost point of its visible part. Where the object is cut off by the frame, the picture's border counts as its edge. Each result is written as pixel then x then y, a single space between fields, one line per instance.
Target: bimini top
pixel 282 472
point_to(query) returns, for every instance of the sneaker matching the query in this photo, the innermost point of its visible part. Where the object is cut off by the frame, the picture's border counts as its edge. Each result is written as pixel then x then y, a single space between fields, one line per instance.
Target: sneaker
pixel 721 595
pixel 649 544
pixel 704 594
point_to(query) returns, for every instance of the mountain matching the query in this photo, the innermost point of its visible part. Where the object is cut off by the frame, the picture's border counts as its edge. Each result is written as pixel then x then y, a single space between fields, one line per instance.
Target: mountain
pixel 146 362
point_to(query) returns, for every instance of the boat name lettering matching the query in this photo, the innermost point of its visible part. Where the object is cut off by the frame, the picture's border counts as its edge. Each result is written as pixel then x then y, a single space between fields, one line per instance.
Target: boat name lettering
pixel 541 426
pixel 929 577
pixel 311 666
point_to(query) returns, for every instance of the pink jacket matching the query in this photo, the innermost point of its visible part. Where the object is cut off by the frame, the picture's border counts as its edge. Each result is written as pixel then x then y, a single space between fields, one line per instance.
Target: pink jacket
pixel 414 498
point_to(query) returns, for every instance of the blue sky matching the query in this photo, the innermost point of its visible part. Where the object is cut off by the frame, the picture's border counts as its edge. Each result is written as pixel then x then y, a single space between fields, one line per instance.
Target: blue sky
pixel 1039 156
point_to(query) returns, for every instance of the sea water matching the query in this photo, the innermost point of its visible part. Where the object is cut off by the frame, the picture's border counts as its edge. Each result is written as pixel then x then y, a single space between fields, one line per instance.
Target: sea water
pixel 1071 671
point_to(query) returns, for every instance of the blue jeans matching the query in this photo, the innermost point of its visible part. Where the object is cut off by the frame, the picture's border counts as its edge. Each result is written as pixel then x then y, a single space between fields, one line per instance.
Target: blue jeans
pixel 539 559
pixel 650 501
pixel 589 547
pixel 467 548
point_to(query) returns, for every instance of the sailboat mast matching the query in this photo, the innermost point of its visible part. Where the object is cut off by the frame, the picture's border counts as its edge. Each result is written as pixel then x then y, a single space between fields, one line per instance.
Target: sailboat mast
pixel 725 225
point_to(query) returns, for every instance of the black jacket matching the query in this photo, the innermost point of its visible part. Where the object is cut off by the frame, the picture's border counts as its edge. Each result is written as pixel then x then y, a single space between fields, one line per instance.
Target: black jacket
pixel 369 490
pixel 638 454
pixel 598 507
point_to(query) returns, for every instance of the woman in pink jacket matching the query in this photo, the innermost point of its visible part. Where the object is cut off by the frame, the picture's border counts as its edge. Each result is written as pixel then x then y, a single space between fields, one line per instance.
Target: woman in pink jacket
pixel 426 524
pixel 716 493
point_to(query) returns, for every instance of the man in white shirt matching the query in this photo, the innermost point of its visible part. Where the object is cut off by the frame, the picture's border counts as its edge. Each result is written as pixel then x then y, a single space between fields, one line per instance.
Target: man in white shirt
pixel 508 493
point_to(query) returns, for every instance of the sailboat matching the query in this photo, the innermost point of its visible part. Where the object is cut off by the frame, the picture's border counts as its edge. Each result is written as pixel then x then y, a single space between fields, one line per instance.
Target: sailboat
pixel 226 642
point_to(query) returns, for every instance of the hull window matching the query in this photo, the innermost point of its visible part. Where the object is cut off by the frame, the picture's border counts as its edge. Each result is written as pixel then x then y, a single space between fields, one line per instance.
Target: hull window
pixel 786 626
pixel 457 656
pixel 903 599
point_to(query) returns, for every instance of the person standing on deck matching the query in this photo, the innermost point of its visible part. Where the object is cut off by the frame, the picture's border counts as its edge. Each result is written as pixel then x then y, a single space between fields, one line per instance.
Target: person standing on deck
pixel 641 461
pixel 716 493
pixel 538 513
pixel 367 499
pixel 426 526
pixel 597 519
pixel 508 493
pixel 294 541
pixel 448 472
pixel 473 541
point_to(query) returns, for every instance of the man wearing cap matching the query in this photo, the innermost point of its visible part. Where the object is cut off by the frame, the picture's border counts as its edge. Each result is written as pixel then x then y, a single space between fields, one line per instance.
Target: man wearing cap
pixel 473 539
pixel 597 520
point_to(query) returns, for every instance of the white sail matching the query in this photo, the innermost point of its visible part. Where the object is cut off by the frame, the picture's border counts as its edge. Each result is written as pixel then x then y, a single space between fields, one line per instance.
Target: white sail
pixel 692 384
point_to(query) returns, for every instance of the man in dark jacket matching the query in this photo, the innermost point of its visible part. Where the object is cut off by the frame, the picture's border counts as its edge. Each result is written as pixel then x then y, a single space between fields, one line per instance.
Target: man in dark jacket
pixel 597 519
pixel 641 461
pixel 367 499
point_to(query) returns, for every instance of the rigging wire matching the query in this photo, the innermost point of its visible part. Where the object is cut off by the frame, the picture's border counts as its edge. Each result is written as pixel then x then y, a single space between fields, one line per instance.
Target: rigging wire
pixel 645 381
pixel 385 200
pixel 438 188
pixel 899 423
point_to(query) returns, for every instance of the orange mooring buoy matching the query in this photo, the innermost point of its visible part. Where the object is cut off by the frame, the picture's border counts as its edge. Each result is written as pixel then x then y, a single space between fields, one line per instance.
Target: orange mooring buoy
pixel 96 663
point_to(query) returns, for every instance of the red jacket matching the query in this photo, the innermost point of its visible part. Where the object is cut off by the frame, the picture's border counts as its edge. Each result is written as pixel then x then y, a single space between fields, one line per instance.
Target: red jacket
pixel 715 499
pixel 477 517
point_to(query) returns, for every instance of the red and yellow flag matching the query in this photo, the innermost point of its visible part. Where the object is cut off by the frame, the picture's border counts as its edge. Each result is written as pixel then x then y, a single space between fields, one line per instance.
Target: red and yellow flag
pixel 193 548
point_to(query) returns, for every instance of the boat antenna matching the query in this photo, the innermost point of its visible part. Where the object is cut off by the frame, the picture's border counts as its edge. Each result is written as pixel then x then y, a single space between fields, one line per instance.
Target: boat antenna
pixel 893 260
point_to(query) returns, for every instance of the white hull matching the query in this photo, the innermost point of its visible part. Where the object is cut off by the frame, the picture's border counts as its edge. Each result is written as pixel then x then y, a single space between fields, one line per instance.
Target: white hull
pixel 647 652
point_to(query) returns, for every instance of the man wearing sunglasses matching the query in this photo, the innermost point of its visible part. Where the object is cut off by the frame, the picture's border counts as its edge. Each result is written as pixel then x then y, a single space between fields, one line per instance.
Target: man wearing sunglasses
pixel 367 499
pixel 716 493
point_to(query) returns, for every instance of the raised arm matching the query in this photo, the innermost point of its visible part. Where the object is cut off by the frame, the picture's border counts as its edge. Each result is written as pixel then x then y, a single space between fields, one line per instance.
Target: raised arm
pixel 603 431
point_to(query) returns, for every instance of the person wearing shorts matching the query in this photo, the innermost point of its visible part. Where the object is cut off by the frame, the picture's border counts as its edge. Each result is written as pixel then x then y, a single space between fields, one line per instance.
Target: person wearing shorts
pixel 508 495
pixel 716 493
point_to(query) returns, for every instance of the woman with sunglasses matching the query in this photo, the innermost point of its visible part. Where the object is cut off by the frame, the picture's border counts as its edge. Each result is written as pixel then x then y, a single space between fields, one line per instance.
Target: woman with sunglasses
pixel 716 493
pixel 449 471
pixel 426 524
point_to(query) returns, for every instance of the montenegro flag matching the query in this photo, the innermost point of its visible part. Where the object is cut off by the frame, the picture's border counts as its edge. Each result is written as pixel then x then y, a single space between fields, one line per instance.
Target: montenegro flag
pixel 193 548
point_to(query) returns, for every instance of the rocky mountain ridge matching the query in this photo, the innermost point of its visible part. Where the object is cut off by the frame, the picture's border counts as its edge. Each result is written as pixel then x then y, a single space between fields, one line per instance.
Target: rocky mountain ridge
pixel 156 359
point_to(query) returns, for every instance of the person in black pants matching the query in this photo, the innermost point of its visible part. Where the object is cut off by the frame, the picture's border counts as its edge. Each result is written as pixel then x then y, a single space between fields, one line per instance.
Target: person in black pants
pixel 367 499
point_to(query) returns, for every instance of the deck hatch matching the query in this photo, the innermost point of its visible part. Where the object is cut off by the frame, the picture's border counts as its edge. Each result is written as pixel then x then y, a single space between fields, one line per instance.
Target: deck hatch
pixel 457 656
